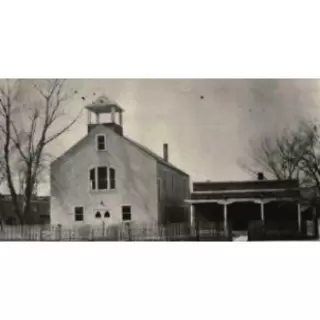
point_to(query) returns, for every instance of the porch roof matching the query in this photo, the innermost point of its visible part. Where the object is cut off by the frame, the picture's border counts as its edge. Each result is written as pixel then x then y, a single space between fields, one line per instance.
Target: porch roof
pixel 293 194
pixel 245 185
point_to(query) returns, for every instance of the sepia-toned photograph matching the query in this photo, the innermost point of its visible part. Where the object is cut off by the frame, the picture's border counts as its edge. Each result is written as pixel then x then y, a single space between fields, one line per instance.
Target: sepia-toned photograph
pixel 159 160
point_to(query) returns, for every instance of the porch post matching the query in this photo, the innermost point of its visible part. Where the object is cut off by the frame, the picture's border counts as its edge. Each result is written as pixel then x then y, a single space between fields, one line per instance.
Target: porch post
pixel 192 220
pixel 225 216
pixel 299 216
pixel 262 210
pixel 120 118
pixel 113 115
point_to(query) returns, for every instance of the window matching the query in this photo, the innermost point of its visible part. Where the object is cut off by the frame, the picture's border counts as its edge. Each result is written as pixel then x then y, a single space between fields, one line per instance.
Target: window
pixel 98 215
pixel 107 214
pixel 126 213
pixel 102 178
pixel 101 142
pixel 78 213
pixel 112 174
pixel 93 179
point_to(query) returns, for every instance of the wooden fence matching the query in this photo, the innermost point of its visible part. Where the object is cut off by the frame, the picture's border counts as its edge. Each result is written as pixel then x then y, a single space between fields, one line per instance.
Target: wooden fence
pixel 122 232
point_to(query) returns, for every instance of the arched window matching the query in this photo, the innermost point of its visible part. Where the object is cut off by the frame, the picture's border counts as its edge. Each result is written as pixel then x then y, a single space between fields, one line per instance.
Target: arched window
pixel 98 215
pixel 107 214
pixel 102 178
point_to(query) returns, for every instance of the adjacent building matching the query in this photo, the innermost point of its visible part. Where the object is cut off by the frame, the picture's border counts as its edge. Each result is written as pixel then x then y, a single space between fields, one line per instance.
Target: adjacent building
pixel 236 204
pixel 108 178
pixel 39 214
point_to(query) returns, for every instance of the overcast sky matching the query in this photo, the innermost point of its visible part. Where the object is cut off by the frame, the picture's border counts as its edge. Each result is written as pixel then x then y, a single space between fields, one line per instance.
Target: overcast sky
pixel 206 136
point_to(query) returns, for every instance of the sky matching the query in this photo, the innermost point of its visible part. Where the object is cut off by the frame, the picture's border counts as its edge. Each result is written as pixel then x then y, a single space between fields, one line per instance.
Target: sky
pixel 207 123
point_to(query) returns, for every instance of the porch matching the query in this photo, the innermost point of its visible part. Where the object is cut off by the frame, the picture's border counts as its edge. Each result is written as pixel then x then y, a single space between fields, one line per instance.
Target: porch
pixel 237 214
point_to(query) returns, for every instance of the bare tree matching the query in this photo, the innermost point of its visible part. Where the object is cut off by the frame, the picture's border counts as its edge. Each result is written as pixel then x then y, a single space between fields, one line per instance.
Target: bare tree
pixel 28 126
pixel 293 154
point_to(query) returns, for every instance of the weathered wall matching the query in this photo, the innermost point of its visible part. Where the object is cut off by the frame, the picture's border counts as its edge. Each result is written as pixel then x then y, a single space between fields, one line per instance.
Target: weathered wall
pixel 174 190
pixel 136 182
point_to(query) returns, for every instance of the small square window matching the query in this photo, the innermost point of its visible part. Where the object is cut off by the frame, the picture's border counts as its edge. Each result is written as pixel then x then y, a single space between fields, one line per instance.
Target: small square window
pixel 126 213
pixel 78 211
pixel 101 142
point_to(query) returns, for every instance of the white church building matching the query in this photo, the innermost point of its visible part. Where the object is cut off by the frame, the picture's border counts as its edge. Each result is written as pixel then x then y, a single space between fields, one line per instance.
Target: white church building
pixel 107 177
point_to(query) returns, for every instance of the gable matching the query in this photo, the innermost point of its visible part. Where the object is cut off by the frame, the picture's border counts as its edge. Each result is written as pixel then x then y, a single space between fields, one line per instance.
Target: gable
pixel 96 130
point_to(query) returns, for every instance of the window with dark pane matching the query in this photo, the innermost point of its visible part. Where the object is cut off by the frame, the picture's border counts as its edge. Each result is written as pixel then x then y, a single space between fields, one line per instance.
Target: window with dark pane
pixel 126 213
pixel 93 179
pixel 98 215
pixel 107 214
pixel 102 178
pixel 78 211
pixel 101 142
pixel 112 178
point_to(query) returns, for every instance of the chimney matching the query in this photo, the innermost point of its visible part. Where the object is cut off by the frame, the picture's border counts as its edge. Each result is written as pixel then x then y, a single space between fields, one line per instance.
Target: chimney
pixel 260 176
pixel 165 152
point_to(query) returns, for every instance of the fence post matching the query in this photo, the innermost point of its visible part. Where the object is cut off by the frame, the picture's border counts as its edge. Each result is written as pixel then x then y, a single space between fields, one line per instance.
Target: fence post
pixel 59 232
pixel 129 231
pixel 103 229
pixel 159 233
pixel 41 235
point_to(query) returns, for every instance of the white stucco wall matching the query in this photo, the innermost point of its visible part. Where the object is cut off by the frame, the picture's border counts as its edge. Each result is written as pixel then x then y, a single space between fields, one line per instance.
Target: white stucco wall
pixel 136 182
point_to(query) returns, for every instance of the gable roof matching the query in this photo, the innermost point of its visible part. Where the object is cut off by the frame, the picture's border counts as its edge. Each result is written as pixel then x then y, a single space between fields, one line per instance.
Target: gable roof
pixel 132 142
pixel 154 155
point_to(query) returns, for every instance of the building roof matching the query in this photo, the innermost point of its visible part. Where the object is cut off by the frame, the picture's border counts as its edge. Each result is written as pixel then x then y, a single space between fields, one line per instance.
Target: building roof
pixel 250 194
pixel 103 105
pixel 154 155
pixel 256 189
pixel 245 185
